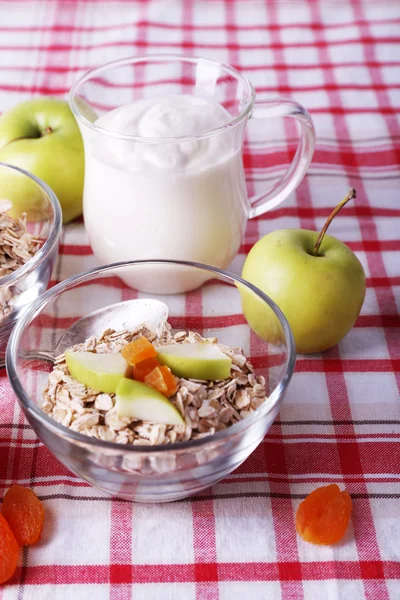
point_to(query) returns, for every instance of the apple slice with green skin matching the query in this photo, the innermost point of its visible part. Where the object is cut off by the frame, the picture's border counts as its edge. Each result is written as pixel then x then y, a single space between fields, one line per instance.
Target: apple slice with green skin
pixel 101 372
pixel 139 401
pixel 201 360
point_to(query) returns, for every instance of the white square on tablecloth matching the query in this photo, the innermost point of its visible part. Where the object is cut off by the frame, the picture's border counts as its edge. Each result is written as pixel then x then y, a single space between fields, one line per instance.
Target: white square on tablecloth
pixel 311 99
pixel 243 525
pixel 249 14
pixel 358 98
pixel 99 591
pixel 386 516
pixel 372 388
pixel 366 126
pixel 388 228
pixel 390 74
pixel 72 533
pixel 325 128
pixel 257 36
pixel 299 78
pixel 307 389
pixel 394 97
pixel 213 37
pixel 346 53
pixel 163 34
pixel 296 35
pixel 213 15
pixel 287 16
pixel 301 55
pixel 164 591
pixel 370 306
pixel 255 57
pixel 330 590
pixel 392 263
pixel 169 13
pixel 350 74
pixel 162 534
pixel 386 52
pixel 330 16
pixel 364 342
pixel 256 590
pixel 341 34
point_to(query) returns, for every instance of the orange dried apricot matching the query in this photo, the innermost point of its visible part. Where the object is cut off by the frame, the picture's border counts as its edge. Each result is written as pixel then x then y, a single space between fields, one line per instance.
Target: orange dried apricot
pixel 144 367
pixel 323 517
pixel 162 380
pixel 138 350
pixel 24 513
pixel 9 551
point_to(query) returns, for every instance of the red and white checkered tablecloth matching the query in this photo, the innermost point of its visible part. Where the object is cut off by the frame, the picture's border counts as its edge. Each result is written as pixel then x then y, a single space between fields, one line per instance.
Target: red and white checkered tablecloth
pixel 340 421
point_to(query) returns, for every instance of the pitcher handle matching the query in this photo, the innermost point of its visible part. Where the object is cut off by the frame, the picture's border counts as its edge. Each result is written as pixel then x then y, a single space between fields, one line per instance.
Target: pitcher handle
pixel 268 109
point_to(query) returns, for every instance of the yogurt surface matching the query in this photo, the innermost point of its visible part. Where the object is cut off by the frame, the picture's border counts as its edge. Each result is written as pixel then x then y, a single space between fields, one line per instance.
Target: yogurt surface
pixel 171 199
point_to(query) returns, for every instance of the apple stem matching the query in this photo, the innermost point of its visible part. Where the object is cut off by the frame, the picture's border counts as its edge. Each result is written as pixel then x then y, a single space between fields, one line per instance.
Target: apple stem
pixel 350 194
pixel 48 130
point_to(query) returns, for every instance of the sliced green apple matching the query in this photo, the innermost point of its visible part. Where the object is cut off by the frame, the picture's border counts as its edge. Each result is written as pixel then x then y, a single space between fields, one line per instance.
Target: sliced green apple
pixel 139 401
pixel 201 360
pixel 101 372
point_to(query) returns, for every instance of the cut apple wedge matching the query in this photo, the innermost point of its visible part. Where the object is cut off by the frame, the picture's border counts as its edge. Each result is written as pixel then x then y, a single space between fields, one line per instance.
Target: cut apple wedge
pixel 101 372
pixel 201 360
pixel 139 401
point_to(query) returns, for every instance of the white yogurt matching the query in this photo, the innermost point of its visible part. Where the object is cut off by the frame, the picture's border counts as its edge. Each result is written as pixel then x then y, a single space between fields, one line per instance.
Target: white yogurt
pixel 172 200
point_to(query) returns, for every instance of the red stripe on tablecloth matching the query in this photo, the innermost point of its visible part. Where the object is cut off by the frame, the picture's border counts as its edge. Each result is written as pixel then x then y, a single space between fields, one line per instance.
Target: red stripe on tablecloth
pixel 189 45
pixel 276 67
pixel 185 573
pixel 196 26
pixel 282 89
pixel 364 529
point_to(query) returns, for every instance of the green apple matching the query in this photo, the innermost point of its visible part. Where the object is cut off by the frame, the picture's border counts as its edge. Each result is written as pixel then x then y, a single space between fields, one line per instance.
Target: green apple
pixel 42 136
pixel 101 372
pixel 201 360
pixel 316 280
pixel 136 400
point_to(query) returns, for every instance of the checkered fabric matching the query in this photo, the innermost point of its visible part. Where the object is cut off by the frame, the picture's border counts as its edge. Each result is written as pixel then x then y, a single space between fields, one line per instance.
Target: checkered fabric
pixel 340 421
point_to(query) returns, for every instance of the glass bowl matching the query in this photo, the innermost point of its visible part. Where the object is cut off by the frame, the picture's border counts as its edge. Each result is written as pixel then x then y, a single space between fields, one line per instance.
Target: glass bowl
pixel 165 472
pixel 44 221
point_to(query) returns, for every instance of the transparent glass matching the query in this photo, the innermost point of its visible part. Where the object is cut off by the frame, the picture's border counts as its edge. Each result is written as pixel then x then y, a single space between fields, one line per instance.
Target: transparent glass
pixel 167 472
pixel 181 197
pixel 44 221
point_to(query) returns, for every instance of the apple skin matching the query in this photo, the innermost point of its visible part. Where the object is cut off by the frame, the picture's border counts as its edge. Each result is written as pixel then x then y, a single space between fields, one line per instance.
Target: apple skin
pixel 101 372
pixel 200 360
pixel 136 400
pixel 321 296
pixel 42 137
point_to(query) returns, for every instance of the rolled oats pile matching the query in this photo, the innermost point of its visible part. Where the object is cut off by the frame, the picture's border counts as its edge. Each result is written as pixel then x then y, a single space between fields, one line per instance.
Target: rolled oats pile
pixel 17 246
pixel 206 406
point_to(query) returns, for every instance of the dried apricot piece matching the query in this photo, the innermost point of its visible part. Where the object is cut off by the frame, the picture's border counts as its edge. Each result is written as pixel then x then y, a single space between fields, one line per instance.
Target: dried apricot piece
pixel 9 551
pixel 138 350
pixel 144 367
pixel 162 380
pixel 323 517
pixel 24 513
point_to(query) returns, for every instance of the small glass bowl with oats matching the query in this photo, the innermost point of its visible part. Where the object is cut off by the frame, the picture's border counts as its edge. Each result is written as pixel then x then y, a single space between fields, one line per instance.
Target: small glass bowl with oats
pixel 30 229
pixel 149 456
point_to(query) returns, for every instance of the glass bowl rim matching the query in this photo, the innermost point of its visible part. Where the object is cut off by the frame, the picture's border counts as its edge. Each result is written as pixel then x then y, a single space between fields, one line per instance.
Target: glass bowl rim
pixel 52 238
pixel 244 114
pixel 37 413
